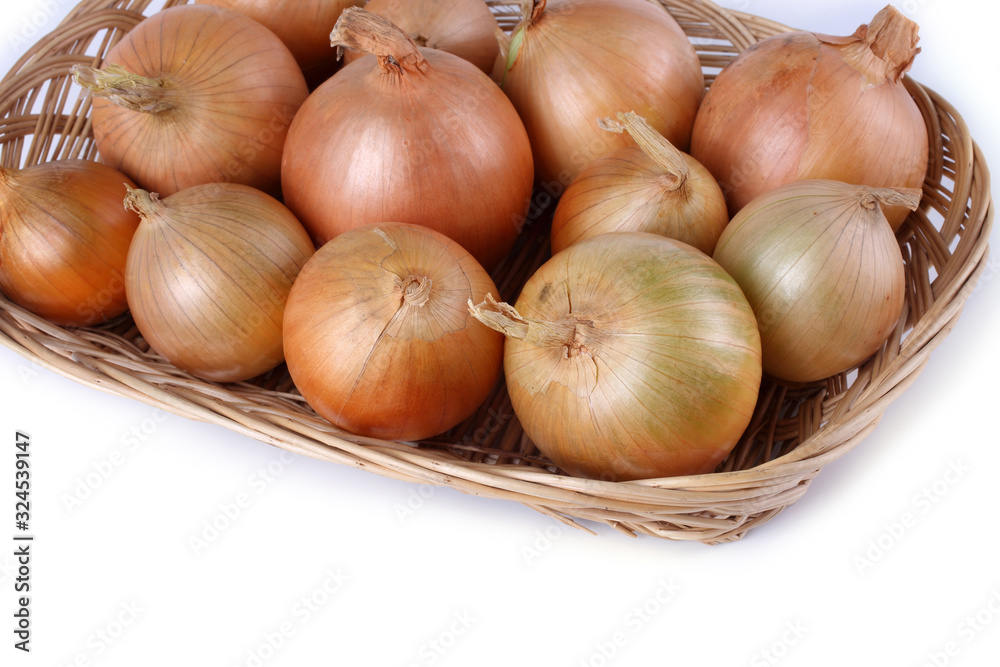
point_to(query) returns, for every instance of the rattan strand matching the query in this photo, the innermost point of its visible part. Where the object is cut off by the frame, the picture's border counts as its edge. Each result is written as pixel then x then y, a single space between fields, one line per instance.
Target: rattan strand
pixel 794 432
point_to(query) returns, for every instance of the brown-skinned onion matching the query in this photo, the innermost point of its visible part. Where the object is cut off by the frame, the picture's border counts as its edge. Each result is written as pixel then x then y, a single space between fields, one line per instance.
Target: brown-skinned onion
pixel 63 240
pixel 208 275
pixel 378 338
pixel 303 26
pixel 571 62
pixel 802 105
pixel 195 94
pixel 416 135
pixel 649 187
pixel 466 28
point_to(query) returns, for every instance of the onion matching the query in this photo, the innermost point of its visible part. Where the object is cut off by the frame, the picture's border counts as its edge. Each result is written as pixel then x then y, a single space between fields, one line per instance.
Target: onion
pixel 303 26
pixel 63 240
pixel 208 275
pixel 195 94
pixel 571 62
pixel 823 272
pixel 651 187
pixel 414 135
pixel 466 28
pixel 378 338
pixel 629 356
pixel 809 106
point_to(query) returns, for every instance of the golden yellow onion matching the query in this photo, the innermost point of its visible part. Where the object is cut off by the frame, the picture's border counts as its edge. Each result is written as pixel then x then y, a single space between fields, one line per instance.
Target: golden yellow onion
pixel 465 28
pixel 208 275
pixel 808 106
pixel 571 62
pixel 378 338
pixel 630 355
pixel 823 272
pixel 63 240
pixel 195 94
pixel 649 187
pixel 415 135
pixel 303 26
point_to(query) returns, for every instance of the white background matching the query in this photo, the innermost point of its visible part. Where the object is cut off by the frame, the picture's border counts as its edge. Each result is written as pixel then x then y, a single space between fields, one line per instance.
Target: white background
pixel 321 563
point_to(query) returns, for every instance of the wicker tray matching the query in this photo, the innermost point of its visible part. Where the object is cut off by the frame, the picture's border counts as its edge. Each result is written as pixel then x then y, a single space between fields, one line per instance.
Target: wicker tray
pixel 793 434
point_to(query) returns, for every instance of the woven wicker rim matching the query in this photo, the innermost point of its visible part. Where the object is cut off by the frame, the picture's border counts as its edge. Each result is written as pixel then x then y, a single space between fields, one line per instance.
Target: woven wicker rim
pixel 793 434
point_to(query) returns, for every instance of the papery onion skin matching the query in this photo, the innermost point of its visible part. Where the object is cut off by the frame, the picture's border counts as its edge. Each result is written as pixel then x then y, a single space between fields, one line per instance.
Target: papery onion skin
pixel 823 272
pixel 654 366
pixel 63 240
pixel 422 137
pixel 303 26
pixel 654 189
pixel 577 61
pixel 790 108
pixel 465 28
pixel 378 338
pixel 228 90
pixel 208 275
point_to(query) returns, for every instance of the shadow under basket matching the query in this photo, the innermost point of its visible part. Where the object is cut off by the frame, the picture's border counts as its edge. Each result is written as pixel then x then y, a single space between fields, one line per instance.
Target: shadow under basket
pixel 792 435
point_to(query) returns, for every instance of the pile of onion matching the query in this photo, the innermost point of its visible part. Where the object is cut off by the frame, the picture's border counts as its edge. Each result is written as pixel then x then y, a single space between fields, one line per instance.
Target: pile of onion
pixel 415 135
pixel 63 240
pixel 466 28
pixel 649 187
pixel 808 106
pixel 195 94
pixel 303 26
pixel 571 62
pixel 378 337
pixel 822 269
pixel 208 274
pixel 630 356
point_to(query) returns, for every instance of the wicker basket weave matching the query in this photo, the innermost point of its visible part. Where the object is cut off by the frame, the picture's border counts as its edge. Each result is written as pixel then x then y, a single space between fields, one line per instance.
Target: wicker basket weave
pixel 793 433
